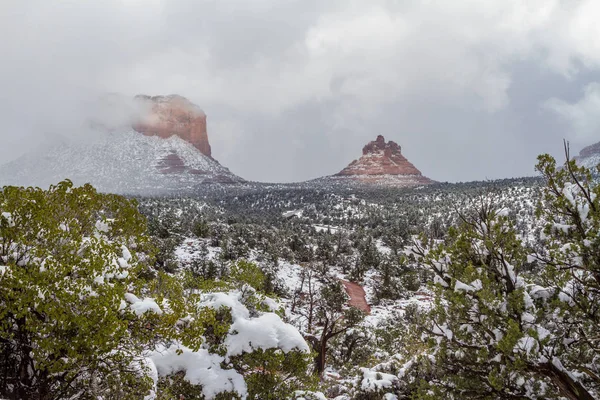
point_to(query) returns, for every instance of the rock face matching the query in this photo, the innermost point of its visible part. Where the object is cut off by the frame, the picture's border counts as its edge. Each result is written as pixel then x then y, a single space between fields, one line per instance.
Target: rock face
pixel 383 163
pixel 589 156
pixel 166 116
pixel 591 150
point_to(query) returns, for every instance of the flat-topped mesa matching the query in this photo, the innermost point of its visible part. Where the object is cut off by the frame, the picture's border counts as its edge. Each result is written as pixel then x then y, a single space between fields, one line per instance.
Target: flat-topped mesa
pixel 380 158
pixel 165 116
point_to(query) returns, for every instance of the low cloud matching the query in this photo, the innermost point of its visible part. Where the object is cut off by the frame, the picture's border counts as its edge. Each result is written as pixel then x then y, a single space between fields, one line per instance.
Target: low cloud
pixel 582 117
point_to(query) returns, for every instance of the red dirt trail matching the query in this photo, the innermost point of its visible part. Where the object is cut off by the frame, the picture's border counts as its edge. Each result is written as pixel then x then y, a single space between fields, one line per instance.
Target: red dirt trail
pixel 357 296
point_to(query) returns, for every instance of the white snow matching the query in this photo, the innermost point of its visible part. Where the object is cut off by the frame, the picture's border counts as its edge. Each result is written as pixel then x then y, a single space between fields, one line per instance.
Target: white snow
pixel 119 162
pixel 460 286
pixel 326 228
pixel 306 395
pixel 201 368
pixel 102 226
pixel 126 254
pixel 140 307
pixel 292 213
pixel 247 334
pixel 527 344
pixel 8 217
pixel 229 300
pixel 265 332
pixel 373 380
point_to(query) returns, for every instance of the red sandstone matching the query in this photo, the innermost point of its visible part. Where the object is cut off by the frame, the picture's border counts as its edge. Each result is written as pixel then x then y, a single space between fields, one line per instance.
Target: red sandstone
pixel 381 159
pixel 165 116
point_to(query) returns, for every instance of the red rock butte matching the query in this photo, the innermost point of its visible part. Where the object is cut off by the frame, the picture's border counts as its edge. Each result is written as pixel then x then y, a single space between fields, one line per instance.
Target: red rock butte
pixel 383 163
pixel 165 116
pixel 381 158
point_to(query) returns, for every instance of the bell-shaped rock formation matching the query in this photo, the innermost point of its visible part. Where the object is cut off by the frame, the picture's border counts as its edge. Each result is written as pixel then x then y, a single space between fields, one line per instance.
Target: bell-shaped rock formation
pixel 383 163
pixel 380 158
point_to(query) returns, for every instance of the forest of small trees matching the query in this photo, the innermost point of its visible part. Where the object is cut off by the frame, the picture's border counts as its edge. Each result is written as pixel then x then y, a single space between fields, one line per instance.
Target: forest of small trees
pixel 477 291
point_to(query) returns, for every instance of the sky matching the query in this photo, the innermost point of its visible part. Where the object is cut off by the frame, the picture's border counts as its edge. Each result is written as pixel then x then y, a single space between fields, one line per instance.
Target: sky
pixel 293 89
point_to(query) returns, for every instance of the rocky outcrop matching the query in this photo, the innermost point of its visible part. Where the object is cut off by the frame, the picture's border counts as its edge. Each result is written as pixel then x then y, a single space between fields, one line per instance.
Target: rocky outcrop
pixel 380 158
pixel 124 162
pixel 165 116
pixel 174 115
pixel 592 150
pixel 383 162
pixel 589 157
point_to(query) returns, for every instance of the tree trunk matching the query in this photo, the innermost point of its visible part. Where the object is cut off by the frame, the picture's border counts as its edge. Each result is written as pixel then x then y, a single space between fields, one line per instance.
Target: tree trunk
pixel 570 388
pixel 321 354
pixel 311 303
pixel 321 349
pixel 24 379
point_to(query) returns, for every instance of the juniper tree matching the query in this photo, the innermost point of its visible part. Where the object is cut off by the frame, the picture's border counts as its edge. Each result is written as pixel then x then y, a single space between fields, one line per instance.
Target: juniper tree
pixel 333 317
pixel 497 331
pixel 69 255
pixel 79 301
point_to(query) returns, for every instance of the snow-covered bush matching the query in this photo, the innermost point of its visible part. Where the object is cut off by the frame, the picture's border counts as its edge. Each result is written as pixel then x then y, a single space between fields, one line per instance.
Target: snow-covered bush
pixel 308 395
pixel 252 354
pixel 374 384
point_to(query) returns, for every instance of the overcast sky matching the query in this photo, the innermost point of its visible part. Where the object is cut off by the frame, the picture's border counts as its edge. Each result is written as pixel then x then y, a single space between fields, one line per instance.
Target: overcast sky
pixel 293 89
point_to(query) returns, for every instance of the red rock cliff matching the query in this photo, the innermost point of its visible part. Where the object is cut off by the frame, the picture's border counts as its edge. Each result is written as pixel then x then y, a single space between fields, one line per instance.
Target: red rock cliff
pixel 165 116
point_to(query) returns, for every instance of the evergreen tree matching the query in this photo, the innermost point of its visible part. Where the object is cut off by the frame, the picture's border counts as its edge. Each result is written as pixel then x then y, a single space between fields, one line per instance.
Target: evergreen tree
pixel 69 256
pixel 497 331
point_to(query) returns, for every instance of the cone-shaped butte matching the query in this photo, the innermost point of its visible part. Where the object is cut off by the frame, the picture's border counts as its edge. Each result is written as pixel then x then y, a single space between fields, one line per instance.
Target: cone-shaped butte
pixel 383 163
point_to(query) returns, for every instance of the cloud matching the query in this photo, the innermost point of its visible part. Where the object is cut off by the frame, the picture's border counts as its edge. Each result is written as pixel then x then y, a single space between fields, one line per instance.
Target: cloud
pixel 304 84
pixel 581 116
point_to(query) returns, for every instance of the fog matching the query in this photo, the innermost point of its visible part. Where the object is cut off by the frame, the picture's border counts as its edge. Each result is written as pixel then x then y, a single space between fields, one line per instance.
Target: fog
pixel 293 89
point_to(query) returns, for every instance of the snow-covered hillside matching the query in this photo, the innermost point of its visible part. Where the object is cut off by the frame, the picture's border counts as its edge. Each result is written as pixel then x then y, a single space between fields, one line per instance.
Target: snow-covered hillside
pixel 121 162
